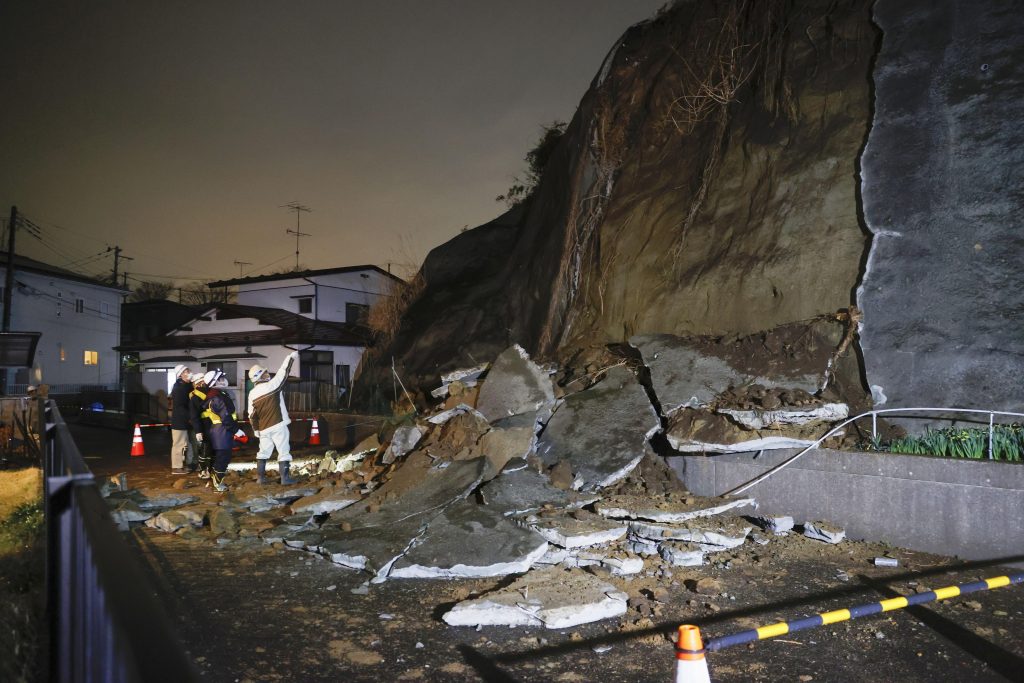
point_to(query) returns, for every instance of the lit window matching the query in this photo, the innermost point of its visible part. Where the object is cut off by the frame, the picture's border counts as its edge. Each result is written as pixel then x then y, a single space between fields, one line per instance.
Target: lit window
pixel 60 352
pixel 92 358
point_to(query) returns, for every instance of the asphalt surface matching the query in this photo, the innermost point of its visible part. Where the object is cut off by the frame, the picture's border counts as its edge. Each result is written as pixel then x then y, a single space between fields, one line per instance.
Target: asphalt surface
pixel 247 611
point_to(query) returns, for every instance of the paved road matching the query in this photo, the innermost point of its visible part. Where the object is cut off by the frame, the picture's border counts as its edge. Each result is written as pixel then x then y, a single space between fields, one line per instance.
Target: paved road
pixel 247 611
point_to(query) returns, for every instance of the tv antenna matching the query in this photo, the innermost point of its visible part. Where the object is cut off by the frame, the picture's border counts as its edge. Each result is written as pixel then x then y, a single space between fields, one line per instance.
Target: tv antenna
pixel 298 210
pixel 241 265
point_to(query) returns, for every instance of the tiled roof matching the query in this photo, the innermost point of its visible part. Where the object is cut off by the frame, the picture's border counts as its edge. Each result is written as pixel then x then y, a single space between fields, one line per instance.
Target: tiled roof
pixel 298 274
pixel 293 330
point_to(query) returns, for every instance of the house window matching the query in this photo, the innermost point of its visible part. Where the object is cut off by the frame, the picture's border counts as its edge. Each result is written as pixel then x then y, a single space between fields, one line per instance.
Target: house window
pixel 357 313
pixel 91 358
pixel 305 304
pixel 104 308
pixel 343 375
pixel 79 305
pixel 228 367
pixel 316 365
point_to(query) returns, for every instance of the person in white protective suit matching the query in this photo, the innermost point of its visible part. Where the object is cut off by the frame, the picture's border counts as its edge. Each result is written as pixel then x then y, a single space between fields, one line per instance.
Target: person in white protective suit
pixel 269 418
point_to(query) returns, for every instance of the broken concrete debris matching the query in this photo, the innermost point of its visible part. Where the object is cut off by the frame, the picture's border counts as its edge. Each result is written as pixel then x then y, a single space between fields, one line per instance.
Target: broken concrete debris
pixel 552 598
pixel 602 432
pixel 514 385
pixel 671 510
pixel 521 490
pixel 775 524
pixel 682 554
pixel 709 534
pixel 823 531
pixel 534 464
pixel 498 546
pixel 467 377
pixel 403 441
pixel 766 419
pixel 577 529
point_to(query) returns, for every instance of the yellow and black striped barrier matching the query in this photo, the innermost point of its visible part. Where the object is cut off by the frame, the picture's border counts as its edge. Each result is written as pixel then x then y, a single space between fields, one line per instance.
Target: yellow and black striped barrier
pixel 784 627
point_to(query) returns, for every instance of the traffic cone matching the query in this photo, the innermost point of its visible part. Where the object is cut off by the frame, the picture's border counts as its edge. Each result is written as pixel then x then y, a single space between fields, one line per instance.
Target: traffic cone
pixel 314 434
pixel 137 448
pixel 691 667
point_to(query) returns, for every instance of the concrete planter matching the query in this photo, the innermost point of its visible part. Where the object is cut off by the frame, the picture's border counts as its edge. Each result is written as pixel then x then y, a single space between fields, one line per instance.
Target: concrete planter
pixel 969 508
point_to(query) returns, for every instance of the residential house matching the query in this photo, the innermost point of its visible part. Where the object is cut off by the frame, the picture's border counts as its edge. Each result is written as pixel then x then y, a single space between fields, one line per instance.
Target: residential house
pixel 321 313
pixel 79 318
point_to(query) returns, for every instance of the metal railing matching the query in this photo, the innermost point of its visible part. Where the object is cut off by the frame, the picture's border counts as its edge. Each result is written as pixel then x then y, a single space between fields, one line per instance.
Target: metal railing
pixel 873 414
pixel 104 622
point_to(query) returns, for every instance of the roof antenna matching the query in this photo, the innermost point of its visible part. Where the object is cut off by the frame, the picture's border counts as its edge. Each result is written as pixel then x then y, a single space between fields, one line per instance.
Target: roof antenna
pixel 241 266
pixel 298 209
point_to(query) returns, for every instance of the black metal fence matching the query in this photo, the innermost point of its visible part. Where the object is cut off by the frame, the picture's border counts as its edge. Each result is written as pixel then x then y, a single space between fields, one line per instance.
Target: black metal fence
pixel 313 395
pixel 104 622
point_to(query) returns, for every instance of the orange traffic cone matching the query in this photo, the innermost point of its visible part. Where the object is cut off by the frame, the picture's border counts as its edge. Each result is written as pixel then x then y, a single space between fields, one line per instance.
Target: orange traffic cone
pixel 691 667
pixel 137 448
pixel 314 434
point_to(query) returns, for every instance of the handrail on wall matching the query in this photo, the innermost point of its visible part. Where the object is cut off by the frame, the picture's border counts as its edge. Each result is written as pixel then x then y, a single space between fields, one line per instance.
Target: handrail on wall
pixel 873 414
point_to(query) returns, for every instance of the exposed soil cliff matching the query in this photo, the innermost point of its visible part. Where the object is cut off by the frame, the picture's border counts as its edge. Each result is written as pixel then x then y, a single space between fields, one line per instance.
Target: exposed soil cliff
pixel 706 186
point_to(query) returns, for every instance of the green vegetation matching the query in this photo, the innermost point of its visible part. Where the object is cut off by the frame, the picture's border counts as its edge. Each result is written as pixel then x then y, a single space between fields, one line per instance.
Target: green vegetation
pixel 955 442
pixel 21 591
pixel 536 161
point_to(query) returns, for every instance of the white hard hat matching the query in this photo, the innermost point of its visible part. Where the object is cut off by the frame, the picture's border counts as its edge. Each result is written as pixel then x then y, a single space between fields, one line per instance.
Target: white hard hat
pixel 256 372
pixel 178 369
pixel 212 376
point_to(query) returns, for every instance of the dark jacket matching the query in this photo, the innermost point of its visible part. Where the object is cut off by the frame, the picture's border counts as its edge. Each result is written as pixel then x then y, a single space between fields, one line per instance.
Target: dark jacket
pixel 221 410
pixel 179 405
pixel 196 406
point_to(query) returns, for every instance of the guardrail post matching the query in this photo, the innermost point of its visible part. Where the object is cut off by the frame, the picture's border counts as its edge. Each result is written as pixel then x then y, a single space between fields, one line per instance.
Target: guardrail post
pixel 991 433
pixel 874 425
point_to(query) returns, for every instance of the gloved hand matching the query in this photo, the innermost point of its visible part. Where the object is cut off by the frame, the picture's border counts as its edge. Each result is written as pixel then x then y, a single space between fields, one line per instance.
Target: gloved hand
pixel 294 355
pixel 199 437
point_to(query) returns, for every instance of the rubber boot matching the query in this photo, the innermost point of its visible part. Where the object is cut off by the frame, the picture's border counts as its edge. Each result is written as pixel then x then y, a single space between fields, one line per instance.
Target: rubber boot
pixel 286 478
pixel 217 481
pixel 261 471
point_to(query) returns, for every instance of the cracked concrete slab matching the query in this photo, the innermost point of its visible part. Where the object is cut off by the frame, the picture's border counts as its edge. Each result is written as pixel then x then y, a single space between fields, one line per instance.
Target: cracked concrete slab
pixel 553 598
pixel 683 375
pixel 576 529
pixel 446 415
pixel 372 535
pixel 601 432
pixel 617 559
pixel 470 541
pixel 514 385
pixel 327 499
pixel 128 511
pixel 671 510
pixel 775 524
pixel 523 490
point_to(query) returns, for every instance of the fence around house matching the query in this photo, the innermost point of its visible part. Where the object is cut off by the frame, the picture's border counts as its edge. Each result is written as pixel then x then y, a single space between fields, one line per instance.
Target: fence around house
pixel 104 622
pixel 305 396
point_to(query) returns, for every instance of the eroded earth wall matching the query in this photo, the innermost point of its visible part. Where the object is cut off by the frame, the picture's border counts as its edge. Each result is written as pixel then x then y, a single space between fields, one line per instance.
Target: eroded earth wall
pixel 943 291
pixel 707 185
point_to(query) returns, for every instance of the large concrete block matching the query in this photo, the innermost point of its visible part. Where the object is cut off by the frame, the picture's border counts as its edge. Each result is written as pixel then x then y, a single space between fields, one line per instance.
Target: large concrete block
pixel 943 194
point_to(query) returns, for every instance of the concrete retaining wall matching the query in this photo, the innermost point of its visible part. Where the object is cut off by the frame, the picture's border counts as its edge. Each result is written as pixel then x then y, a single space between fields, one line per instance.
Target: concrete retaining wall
pixel 968 508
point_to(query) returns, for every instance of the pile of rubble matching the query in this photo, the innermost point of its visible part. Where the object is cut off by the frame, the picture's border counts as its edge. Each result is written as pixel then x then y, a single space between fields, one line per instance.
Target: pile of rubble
pixel 510 475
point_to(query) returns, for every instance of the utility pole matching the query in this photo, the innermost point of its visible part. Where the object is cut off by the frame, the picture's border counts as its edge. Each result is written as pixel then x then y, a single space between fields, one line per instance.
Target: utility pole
pixel 12 227
pixel 117 259
pixel 298 209
pixel 241 265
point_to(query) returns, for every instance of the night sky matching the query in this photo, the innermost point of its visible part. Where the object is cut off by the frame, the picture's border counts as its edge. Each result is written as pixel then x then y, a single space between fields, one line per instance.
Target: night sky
pixel 176 130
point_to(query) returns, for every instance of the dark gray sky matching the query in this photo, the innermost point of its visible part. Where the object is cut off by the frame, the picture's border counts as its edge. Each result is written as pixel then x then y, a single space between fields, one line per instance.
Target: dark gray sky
pixel 176 130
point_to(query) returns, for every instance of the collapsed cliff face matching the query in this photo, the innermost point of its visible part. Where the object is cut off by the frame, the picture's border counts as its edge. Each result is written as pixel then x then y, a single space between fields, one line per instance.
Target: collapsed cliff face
pixel 707 185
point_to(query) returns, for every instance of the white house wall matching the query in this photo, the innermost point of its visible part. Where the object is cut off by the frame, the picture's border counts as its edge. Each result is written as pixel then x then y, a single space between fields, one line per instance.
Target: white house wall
pixel 332 293
pixel 47 304
pixel 223 327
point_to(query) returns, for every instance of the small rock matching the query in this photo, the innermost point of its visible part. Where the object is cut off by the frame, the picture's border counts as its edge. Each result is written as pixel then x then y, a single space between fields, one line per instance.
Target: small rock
pixel 973 605
pixel 601 649
pixel 805 678
pixel 362 589
pixel 332 587
pixel 822 531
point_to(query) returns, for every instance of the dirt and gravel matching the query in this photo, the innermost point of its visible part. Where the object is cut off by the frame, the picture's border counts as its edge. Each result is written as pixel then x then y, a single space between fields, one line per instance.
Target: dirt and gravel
pixel 248 611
